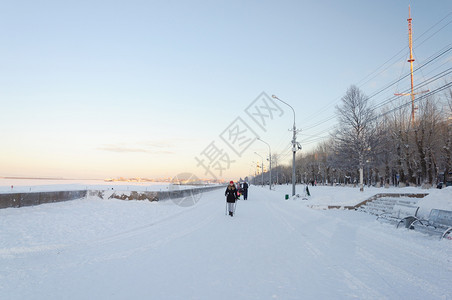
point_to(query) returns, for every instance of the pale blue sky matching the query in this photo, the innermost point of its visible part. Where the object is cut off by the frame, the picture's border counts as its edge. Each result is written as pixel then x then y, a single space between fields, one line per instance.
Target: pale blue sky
pixel 95 89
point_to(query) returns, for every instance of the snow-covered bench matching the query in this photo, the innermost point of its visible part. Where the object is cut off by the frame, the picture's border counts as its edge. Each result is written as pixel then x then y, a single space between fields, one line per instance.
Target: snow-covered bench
pixel 401 213
pixel 378 206
pixel 439 222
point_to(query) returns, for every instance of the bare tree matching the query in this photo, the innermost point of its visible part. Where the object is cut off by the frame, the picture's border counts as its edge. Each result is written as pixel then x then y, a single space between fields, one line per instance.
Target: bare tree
pixel 446 136
pixel 275 161
pixel 356 129
pixel 394 149
pixel 399 148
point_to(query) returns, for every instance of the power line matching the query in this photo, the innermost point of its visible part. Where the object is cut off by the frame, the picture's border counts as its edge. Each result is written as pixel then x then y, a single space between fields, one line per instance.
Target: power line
pixel 436 56
pixel 429 94
pixel 366 80
pixel 422 84
pixel 442 88
pixel 318 136
pixel 427 62
pixel 404 49
pixel 431 27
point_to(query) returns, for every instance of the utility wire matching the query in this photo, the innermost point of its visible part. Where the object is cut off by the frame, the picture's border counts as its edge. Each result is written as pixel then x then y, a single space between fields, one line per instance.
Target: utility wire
pixel 427 62
pixel 415 70
pixel 434 57
pixel 437 90
pixel 318 136
pixel 365 80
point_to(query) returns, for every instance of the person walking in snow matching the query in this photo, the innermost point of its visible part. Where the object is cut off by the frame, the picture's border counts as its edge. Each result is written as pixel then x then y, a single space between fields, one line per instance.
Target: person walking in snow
pixel 245 190
pixel 231 197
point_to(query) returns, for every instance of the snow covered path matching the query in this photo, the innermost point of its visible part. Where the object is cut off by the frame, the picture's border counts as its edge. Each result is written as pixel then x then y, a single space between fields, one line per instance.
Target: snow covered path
pixel 272 249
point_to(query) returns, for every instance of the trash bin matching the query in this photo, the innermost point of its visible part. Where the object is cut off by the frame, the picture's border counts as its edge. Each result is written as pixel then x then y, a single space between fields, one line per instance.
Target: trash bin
pixel 287 196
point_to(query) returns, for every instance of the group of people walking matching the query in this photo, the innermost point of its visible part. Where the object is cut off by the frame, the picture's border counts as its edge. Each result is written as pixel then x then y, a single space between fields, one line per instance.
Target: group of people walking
pixel 233 193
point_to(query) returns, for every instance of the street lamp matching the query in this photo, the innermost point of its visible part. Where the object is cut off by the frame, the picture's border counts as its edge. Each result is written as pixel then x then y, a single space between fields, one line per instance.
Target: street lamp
pixel 295 146
pixel 262 167
pixel 270 159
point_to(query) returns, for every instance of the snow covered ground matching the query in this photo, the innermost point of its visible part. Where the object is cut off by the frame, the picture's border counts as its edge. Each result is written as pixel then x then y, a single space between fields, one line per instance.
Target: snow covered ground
pixel 272 249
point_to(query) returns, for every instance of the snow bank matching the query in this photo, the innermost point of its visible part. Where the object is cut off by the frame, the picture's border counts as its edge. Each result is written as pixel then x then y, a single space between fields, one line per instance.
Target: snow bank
pixel 438 199
pixel 324 196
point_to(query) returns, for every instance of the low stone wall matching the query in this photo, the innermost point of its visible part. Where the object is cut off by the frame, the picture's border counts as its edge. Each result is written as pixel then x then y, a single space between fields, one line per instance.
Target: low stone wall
pixel 30 199
pixel 153 196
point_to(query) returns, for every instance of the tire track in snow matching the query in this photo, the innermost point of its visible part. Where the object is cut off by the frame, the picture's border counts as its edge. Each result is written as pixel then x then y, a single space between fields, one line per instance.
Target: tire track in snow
pixel 134 231
pixel 50 249
pixel 377 246
pixel 158 239
pixel 327 234
pixel 357 288
pixel 14 251
pixel 378 240
pixel 403 275
pixel 383 269
pixel 153 236
pixel 380 245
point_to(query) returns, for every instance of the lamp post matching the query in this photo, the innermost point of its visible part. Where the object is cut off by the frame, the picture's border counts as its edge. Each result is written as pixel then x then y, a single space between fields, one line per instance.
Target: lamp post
pixel 262 167
pixel 270 159
pixel 295 145
pixel 253 164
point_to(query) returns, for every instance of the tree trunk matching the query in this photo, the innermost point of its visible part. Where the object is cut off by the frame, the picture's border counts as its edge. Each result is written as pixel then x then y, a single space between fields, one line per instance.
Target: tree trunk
pixel 421 152
pixel 361 172
pixel 361 177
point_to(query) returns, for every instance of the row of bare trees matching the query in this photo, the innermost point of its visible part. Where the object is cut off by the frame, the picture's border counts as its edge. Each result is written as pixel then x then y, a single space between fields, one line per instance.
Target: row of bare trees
pixel 381 147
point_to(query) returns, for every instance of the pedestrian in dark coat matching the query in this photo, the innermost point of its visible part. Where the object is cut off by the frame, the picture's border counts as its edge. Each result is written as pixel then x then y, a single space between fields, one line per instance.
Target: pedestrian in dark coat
pixel 245 190
pixel 231 197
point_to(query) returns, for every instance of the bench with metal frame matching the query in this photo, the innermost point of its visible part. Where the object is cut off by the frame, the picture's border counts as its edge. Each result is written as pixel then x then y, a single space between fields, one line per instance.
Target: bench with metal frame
pixel 438 222
pixel 401 213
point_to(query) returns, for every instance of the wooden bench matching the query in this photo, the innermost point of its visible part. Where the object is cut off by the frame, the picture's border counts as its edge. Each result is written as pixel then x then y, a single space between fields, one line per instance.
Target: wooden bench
pixel 401 213
pixel 438 222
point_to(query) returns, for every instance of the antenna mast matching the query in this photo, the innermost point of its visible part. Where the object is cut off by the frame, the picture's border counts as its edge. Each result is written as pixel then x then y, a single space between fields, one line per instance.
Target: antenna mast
pixel 411 60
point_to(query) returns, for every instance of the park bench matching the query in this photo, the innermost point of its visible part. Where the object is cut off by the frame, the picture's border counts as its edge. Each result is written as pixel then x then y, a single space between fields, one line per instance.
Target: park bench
pixel 401 213
pixel 439 222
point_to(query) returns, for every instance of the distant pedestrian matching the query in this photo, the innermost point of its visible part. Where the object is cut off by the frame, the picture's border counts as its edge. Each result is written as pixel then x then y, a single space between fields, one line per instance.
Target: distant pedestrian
pixel 231 197
pixel 239 190
pixel 245 190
